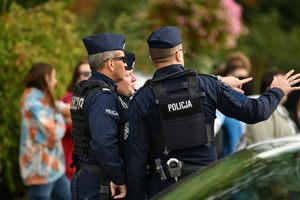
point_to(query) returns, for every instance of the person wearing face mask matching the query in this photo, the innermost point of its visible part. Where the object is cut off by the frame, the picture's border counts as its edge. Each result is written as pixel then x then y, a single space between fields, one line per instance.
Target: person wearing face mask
pixel 81 72
pixel 41 157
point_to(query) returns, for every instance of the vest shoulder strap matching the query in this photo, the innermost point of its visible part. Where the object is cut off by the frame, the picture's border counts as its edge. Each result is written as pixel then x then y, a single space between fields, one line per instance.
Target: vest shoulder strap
pixel 87 87
pixel 186 72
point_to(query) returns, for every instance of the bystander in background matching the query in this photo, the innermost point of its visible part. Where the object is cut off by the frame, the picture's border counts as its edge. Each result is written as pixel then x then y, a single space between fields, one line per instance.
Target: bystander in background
pixel 228 131
pixel 81 72
pixel 41 157
pixel 292 104
pixel 279 123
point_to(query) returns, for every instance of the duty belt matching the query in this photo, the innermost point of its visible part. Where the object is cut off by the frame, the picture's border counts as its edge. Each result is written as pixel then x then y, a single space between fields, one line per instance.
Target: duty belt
pixel 98 171
pixel 94 169
pixel 173 168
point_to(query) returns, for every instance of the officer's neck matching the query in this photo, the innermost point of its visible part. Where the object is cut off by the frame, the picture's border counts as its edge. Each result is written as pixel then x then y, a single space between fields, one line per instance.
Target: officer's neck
pixel 165 64
pixel 110 74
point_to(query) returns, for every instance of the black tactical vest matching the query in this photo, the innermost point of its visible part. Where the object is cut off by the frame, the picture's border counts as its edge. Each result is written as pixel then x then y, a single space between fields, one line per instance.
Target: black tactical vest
pixel 80 130
pixel 181 113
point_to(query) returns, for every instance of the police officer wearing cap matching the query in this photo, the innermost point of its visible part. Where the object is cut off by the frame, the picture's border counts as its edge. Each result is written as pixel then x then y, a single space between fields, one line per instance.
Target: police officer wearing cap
pixel 126 88
pixel 171 118
pixel 97 115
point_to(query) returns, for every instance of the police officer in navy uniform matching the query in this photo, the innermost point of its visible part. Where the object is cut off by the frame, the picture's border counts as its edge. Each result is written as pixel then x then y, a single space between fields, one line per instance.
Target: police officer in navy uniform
pixel 126 88
pixel 97 114
pixel 171 118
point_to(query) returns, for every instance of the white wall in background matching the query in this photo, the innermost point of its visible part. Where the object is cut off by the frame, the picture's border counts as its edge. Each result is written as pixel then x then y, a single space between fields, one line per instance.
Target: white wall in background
pixel 141 78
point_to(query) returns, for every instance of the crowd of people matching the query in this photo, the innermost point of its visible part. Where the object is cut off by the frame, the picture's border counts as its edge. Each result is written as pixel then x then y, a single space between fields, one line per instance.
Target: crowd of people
pixel 233 135
pixel 106 140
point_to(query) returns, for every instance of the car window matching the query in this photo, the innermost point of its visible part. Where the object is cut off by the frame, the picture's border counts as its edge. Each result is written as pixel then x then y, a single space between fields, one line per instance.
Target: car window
pixel 268 178
pixel 267 172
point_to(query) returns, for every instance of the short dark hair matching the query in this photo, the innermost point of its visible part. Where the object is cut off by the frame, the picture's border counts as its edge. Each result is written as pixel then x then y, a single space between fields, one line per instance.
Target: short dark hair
pixel 160 55
pixel 292 103
pixel 267 78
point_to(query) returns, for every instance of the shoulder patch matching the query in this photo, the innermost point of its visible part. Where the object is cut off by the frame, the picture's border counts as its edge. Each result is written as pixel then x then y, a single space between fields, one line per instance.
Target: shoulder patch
pixel 111 113
pixel 233 98
pixel 241 97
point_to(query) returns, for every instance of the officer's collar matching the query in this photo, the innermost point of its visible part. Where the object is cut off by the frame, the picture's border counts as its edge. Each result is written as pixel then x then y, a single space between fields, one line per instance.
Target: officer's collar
pixel 124 98
pixel 99 76
pixel 164 71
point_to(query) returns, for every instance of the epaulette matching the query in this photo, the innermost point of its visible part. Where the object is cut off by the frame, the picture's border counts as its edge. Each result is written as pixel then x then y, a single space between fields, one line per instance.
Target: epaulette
pixel 106 90
pixel 137 91
pixel 210 75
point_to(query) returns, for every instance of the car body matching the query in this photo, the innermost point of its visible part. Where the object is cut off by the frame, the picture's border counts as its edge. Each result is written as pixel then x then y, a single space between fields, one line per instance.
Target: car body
pixel 263 171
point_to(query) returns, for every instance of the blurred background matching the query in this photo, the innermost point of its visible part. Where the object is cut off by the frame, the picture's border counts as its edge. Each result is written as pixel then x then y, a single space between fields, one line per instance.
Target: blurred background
pixel 50 31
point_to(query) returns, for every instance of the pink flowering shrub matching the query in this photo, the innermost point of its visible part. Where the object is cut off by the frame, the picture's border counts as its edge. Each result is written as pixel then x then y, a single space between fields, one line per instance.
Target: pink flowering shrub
pixel 205 25
pixel 231 14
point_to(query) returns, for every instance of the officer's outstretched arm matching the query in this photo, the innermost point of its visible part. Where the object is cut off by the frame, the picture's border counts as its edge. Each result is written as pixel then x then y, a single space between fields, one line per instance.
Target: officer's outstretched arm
pixel 121 188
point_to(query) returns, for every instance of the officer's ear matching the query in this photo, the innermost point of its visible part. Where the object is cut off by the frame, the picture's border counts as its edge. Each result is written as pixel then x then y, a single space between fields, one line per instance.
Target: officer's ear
pixel 150 58
pixel 179 56
pixel 110 65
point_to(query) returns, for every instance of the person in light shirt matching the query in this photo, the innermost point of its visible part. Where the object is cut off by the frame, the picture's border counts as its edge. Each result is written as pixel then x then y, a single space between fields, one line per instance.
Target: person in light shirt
pixel 279 124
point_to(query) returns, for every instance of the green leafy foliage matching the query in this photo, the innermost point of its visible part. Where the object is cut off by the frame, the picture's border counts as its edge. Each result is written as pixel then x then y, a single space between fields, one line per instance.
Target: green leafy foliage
pixel 269 45
pixel 46 33
pixel 126 18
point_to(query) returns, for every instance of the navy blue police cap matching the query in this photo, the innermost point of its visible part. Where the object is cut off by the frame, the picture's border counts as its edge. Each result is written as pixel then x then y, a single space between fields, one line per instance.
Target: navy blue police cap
pixel 130 59
pixel 104 42
pixel 164 38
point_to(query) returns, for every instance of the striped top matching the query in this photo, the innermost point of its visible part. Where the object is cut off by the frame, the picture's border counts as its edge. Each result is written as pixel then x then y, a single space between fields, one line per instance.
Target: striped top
pixel 41 155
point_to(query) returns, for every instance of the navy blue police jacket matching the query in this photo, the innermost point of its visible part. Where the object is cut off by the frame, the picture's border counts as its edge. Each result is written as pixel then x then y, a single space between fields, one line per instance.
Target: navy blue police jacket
pixel 143 118
pixel 103 112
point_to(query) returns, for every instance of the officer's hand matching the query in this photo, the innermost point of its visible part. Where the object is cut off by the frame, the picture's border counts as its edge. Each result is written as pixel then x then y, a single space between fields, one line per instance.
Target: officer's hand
pixel 121 188
pixel 235 83
pixel 286 82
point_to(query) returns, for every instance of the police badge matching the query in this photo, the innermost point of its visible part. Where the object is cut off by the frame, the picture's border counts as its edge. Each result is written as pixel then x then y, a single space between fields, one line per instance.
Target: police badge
pixel 126 130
